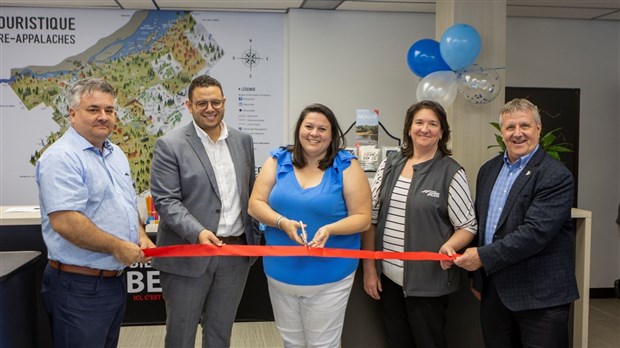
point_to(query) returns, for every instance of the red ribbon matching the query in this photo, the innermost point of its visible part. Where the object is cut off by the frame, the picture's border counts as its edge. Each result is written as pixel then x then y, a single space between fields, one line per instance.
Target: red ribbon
pixel 263 250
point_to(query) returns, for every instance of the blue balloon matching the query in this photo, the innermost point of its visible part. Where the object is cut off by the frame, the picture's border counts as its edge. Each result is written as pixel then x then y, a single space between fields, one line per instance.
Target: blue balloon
pixel 424 58
pixel 459 46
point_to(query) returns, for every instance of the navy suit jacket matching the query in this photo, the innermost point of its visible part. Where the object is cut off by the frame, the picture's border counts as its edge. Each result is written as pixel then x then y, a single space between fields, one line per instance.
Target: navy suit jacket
pixel 186 195
pixel 531 256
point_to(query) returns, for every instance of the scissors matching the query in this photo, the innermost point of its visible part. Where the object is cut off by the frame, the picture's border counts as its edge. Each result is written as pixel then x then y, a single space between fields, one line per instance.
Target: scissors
pixel 303 234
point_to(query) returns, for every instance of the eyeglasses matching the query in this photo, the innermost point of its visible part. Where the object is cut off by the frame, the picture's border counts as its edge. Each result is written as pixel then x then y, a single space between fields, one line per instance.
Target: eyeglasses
pixel 215 103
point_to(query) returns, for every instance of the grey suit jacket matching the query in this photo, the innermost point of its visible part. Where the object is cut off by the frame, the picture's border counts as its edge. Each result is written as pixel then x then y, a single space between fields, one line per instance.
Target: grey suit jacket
pixel 186 195
pixel 531 256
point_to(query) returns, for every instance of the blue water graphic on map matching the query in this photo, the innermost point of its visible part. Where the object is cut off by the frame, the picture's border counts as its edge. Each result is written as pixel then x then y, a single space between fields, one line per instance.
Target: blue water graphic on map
pixel 155 25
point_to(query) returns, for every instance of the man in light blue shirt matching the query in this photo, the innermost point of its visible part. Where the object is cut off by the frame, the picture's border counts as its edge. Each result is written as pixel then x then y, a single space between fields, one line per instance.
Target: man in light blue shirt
pixel 507 176
pixel 90 222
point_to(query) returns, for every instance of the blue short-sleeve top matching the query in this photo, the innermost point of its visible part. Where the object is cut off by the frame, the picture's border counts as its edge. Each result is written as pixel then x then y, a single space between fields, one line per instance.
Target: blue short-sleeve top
pixel 315 206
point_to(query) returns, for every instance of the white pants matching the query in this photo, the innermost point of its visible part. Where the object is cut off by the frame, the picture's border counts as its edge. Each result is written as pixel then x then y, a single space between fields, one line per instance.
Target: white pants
pixel 310 315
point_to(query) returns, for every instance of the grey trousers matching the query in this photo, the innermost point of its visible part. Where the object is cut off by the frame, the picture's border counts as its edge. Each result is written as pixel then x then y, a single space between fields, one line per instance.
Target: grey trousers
pixel 212 298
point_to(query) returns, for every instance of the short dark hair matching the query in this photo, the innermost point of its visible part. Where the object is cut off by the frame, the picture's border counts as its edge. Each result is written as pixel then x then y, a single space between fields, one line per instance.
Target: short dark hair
pixel 407 147
pixel 337 143
pixel 203 81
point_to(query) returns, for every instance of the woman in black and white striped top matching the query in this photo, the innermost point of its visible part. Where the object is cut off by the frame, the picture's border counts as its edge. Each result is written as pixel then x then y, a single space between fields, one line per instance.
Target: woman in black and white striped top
pixel 421 202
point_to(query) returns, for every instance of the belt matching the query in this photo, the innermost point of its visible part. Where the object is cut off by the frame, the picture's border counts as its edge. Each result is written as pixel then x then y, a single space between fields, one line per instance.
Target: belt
pixel 84 270
pixel 232 239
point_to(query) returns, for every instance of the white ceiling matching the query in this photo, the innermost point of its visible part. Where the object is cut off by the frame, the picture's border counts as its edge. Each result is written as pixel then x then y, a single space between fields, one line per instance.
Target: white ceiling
pixel 573 9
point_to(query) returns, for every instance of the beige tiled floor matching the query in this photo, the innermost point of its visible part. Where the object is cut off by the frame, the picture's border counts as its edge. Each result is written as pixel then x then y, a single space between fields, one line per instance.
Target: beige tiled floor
pixel 604 331
pixel 245 335
pixel 604 328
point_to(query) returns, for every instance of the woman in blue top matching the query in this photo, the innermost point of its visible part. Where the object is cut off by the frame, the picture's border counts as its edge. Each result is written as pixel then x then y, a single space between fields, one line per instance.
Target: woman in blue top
pixel 318 183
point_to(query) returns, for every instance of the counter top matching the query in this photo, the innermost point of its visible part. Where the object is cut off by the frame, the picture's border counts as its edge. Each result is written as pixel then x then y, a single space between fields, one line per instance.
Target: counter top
pixel 12 215
pixel 13 261
pixel 580 214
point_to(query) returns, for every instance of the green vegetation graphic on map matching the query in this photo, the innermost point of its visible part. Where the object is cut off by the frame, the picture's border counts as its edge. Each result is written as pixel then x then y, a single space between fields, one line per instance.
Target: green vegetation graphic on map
pixel 150 61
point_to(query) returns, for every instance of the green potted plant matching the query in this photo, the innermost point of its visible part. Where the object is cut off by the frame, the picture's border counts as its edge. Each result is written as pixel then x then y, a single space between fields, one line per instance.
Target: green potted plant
pixel 547 140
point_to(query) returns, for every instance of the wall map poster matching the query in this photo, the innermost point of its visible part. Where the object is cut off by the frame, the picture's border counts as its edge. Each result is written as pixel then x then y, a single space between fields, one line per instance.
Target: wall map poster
pixel 150 57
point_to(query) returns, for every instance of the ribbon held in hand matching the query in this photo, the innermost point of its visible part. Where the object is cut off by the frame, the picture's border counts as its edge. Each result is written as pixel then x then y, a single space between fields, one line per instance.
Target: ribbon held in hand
pixel 192 250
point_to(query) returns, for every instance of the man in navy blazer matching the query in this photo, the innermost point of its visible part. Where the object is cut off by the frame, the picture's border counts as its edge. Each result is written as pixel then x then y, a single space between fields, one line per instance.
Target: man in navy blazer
pixel 201 178
pixel 525 275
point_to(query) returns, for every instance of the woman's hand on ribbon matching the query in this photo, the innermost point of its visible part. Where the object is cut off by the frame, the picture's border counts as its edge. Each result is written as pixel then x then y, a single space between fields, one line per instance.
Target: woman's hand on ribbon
pixel 320 238
pixel 292 229
pixel 446 250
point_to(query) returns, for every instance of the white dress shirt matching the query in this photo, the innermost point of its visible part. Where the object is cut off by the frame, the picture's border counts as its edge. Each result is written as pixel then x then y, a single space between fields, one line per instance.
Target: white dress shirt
pixel 231 223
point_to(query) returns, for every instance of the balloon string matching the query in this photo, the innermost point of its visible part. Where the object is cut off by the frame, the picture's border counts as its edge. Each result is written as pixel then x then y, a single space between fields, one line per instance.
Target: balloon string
pixel 481 69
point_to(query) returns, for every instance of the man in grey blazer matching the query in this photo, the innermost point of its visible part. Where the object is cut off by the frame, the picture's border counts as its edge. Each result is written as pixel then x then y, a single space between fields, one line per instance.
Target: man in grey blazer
pixel 525 275
pixel 201 178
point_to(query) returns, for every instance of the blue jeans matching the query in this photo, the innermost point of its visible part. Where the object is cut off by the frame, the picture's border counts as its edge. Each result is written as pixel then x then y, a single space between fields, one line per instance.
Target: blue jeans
pixel 84 311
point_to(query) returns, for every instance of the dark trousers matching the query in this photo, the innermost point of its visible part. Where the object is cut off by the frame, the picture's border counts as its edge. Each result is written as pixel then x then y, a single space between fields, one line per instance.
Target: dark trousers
pixel 503 328
pixel 84 311
pixel 412 321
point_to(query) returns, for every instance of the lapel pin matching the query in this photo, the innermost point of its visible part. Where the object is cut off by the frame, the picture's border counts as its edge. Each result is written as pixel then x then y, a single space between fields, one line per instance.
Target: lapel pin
pixel 528 173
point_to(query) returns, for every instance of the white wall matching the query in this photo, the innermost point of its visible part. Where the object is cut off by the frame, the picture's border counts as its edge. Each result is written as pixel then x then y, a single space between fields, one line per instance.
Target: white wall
pixel 354 60
pixel 349 60
pixel 584 55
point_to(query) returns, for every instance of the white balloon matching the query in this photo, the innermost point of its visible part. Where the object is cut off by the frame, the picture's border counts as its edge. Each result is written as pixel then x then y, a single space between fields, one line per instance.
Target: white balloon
pixel 439 86
pixel 478 85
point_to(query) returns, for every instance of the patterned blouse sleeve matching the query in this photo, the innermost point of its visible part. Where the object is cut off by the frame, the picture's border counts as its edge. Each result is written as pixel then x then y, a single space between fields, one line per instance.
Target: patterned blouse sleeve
pixel 460 205
pixel 282 156
pixel 375 189
pixel 342 160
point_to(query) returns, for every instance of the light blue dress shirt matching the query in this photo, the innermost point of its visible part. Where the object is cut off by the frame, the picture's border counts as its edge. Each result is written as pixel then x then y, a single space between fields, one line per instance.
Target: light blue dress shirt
pixel 501 189
pixel 74 175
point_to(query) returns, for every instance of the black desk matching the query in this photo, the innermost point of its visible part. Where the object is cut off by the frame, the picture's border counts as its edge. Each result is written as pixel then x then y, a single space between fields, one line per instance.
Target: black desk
pixel 26 235
pixel 18 298
pixel 145 305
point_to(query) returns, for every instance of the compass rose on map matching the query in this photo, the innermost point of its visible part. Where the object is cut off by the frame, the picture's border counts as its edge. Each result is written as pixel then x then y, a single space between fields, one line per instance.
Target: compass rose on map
pixel 251 58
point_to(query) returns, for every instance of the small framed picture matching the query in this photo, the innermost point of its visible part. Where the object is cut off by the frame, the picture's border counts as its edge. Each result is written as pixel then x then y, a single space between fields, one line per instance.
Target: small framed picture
pixel 386 150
